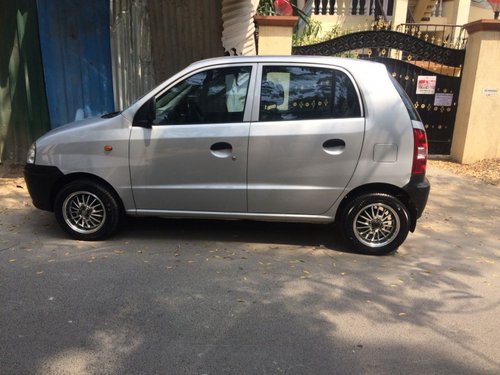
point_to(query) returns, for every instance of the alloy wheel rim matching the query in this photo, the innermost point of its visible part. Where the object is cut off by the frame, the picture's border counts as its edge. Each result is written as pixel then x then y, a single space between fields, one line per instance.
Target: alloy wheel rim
pixel 84 212
pixel 376 225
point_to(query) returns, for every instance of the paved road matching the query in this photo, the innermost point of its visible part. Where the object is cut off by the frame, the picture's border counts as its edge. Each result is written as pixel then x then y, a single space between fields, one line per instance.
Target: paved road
pixel 209 297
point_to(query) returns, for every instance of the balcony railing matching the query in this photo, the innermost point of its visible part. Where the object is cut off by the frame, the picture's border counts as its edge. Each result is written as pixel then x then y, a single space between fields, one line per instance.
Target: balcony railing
pixel 375 8
pixel 438 10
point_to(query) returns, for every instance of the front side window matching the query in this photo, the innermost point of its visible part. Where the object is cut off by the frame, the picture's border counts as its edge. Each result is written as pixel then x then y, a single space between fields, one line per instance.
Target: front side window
pixel 306 93
pixel 212 96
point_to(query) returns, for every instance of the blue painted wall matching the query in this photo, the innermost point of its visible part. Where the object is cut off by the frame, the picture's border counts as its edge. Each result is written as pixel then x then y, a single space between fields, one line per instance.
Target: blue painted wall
pixel 76 58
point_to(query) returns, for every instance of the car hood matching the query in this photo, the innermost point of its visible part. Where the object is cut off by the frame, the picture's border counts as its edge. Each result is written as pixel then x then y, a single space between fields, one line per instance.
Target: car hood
pixel 75 126
pixel 81 130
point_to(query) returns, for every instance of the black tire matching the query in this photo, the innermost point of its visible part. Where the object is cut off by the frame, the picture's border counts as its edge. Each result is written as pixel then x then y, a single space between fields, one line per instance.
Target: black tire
pixel 87 210
pixel 375 223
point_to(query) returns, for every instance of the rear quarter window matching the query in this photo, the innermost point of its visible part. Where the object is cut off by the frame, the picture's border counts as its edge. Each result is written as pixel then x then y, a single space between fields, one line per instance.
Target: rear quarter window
pixel 406 100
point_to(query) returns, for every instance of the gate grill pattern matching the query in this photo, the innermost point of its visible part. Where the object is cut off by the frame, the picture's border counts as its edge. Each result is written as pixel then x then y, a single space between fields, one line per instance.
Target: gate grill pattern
pixel 406 58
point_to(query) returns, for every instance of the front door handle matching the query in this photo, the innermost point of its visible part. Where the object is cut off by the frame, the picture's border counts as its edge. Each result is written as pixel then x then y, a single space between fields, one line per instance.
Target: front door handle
pixel 334 146
pixel 221 149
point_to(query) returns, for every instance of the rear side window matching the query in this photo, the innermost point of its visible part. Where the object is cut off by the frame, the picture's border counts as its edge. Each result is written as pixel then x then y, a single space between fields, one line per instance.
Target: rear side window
pixel 406 100
pixel 306 93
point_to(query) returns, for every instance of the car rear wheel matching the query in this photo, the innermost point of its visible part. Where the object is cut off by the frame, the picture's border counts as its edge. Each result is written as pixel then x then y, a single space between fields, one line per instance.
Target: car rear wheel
pixel 87 210
pixel 375 223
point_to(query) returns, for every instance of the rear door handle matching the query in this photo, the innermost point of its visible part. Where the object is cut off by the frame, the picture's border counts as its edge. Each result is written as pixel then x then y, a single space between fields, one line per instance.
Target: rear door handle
pixel 334 146
pixel 221 149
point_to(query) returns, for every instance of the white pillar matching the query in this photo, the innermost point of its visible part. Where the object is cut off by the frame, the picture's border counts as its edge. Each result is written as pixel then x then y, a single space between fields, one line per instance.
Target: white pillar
pixel 399 13
pixel 460 14
pixel 275 34
pixel 476 135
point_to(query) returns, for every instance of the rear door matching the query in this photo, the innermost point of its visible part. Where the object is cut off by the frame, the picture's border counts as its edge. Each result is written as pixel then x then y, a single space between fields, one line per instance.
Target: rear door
pixel 194 157
pixel 306 143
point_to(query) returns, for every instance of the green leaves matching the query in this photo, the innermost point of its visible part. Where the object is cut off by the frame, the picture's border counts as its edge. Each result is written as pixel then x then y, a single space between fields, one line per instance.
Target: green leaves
pixel 266 8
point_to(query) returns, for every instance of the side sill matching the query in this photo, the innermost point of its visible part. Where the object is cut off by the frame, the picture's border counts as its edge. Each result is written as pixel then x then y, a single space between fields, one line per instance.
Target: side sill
pixel 320 219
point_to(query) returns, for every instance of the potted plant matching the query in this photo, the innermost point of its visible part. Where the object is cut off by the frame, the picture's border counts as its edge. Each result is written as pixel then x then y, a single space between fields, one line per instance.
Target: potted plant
pixel 276 13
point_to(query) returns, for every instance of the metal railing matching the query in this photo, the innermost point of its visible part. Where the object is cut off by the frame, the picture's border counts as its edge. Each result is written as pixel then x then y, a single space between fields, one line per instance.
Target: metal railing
pixel 450 36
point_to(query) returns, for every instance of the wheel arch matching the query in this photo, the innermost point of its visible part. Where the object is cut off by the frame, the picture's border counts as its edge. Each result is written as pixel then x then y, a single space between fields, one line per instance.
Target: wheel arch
pixel 66 179
pixel 380 188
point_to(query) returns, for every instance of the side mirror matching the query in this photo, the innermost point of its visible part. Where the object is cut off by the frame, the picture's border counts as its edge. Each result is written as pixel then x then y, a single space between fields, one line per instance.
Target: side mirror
pixel 145 116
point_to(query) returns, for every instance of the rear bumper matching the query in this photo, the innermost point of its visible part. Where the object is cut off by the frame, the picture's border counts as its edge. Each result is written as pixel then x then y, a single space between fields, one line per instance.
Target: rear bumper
pixel 41 180
pixel 418 191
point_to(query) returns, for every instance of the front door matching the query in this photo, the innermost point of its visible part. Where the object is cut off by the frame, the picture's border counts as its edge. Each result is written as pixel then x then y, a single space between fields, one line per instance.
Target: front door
pixel 194 157
pixel 307 142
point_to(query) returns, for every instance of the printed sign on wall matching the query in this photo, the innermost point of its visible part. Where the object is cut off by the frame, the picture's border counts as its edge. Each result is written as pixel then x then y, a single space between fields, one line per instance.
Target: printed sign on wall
pixel 426 85
pixel 443 100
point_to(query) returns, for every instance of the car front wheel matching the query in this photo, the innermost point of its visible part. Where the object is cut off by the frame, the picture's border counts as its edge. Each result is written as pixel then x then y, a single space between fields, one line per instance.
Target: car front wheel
pixel 375 223
pixel 87 210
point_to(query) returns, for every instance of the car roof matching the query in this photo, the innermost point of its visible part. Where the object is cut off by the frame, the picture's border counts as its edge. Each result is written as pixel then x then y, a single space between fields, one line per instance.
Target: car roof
pixel 327 60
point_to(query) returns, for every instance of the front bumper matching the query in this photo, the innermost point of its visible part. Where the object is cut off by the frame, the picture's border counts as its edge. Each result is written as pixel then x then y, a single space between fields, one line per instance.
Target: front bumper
pixel 41 180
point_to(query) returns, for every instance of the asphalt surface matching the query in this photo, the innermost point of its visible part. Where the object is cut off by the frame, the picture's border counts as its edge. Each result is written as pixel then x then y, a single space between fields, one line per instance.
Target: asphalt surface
pixel 213 297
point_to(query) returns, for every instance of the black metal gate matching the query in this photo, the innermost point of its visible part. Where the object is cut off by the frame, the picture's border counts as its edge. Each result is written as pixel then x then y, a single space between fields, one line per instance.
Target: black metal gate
pixel 429 73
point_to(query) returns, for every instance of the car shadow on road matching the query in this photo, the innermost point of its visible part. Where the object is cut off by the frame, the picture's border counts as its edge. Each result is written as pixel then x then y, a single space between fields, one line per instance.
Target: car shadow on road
pixel 246 231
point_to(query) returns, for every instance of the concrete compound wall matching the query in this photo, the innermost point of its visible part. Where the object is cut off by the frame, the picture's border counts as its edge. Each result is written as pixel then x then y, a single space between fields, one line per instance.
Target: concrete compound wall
pixel 477 126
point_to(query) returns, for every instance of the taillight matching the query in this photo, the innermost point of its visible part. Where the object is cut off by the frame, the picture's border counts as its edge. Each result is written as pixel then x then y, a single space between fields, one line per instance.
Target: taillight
pixel 419 152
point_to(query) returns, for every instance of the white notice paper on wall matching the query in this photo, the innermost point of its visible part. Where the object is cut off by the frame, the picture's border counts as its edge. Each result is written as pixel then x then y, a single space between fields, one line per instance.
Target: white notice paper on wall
pixel 489 91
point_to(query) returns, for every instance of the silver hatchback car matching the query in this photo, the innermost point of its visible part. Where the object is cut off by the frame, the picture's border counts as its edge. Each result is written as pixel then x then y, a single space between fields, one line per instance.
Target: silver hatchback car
pixel 306 139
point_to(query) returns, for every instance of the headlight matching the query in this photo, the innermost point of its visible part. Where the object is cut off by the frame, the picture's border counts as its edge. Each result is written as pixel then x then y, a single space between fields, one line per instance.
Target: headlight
pixel 30 159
